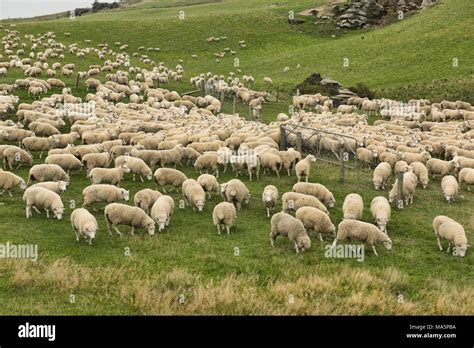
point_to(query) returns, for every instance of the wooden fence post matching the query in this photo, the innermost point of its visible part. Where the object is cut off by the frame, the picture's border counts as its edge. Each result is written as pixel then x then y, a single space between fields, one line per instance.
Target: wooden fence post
pixel 282 138
pixel 298 141
pixel 400 191
pixel 342 166
pixel 235 104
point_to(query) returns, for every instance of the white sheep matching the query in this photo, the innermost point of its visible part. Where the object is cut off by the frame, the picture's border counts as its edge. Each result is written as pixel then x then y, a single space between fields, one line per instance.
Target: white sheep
pixel 193 194
pixel 103 194
pixel 209 184
pixel 381 210
pixel 122 214
pixel 145 199
pixel 65 161
pixel 466 176
pixel 401 167
pixel 437 166
pixel 303 168
pixel 207 161
pixel 315 220
pixel 47 172
pixel 449 229
pixel 162 210
pixel 381 175
pixel 420 170
pixel 9 180
pixel 169 176
pixel 136 165
pixel 317 190
pixel 353 207
pixel 224 215
pixel 283 224
pixel 39 197
pixel 56 186
pixel 96 160
pixel 111 176
pixel 271 161
pixel 363 232
pixel 235 192
pixel 294 201
pixel 84 223
pixel 410 181
pixel 270 198
pixel 450 188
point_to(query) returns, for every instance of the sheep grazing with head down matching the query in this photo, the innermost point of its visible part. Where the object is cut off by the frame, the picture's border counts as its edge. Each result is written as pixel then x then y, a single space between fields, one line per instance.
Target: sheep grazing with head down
pixel 9 180
pixel 420 170
pixel 223 216
pixel 162 210
pixel 121 214
pixel 303 168
pixel 193 194
pixel 209 184
pixel 450 188
pixel 353 207
pixel 362 232
pixel 111 176
pixel 169 176
pixel 449 229
pixel 85 224
pixel 136 165
pixel 410 181
pixel 317 221
pixel 270 198
pixel 103 193
pixel 65 161
pixel 381 175
pixel 145 199
pixel 47 172
pixel 235 192
pixel 294 201
pixel 317 190
pixel 466 176
pixel 283 224
pixel 39 197
pixel 56 186
pixel 380 209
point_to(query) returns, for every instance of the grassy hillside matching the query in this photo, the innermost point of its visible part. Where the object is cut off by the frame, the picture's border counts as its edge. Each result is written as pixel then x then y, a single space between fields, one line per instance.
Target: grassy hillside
pixel 189 269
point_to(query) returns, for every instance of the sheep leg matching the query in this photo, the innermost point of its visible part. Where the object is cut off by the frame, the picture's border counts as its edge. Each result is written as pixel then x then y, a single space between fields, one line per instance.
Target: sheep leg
pixel 228 230
pixel 133 177
pixel 219 229
pixel 47 213
pixel 28 212
pixel 272 239
pixel 10 193
pixel 449 247
pixel 321 237
pixel 36 209
pixel 278 174
pixel 268 212
pixel 141 179
pixel 439 245
pixel 288 171
pixel 41 154
pixel 132 230
pixel 296 248
pixel 117 230
pixel 1 193
pixel 333 246
pixel 375 251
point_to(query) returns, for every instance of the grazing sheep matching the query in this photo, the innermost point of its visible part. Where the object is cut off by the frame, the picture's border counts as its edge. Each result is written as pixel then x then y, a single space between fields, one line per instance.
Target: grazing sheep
pixel 235 192
pixel 224 215
pixel 270 198
pixel 303 168
pixel 84 223
pixel 169 176
pixel 56 186
pixel 380 209
pixel 136 165
pixel 317 190
pixel 207 161
pixel 415 157
pixel 409 185
pixel 65 161
pixel 145 199
pixel 16 155
pixel 463 162
pixel 96 160
pixel 367 156
pixel 294 201
pixel 443 168
pixel 193 194
pixel 466 176
pixel 9 180
pixel 401 167
pixel 122 214
pixel 420 170
pixel 449 229
pixel 47 172
pixel 38 144
pixel 363 232
pixel 162 210
pixel 353 207
pixel 111 176
pixel 317 221
pixel 450 188
pixel 104 194
pixel 39 197
pixel 209 184
pixel 381 175
pixel 283 224
pixel 271 161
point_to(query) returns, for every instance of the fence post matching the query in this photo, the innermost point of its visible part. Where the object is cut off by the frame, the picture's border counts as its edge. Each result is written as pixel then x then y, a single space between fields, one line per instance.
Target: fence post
pixel 278 95
pixel 342 167
pixel 77 80
pixel 203 88
pixel 400 191
pixel 298 141
pixel 234 104
pixel 222 100
pixel 251 114
pixel 282 138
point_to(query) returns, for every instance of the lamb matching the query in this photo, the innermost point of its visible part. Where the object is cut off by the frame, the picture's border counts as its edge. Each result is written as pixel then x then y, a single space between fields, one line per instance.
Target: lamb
pixel 381 175
pixel 109 176
pixel 208 161
pixel 136 165
pixel 16 155
pixel 56 186
pixel 303 168
pixel 9 180
pixel 449 229
pixel 96 160
pixel 39 197
pixel 84 223
pixel 443 168
pixel 223 216
pixel 103 194
pixel 420 170
pixel 121 214
pixel 353 207
pixel 162 210
pixel 286 225
pixel 315 220
pixel 466 175
pixel 363 232
pixel 450 187
pixel 294 201
pixel 317 190
pixel 169 176
pixel 272 162
pixel 209 184
pixel 270 198
pixel 235 192
pixel 380 209
pixel 409 185
pixel 65 161
pixel 145 199
pixel 47 172
pixel 193 194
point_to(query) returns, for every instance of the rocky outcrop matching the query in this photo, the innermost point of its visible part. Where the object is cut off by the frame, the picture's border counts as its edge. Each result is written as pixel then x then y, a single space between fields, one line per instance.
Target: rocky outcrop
pixel 327 86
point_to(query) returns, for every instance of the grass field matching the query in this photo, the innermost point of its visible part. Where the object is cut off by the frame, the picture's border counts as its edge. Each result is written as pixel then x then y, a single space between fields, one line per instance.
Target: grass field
pixel 189 269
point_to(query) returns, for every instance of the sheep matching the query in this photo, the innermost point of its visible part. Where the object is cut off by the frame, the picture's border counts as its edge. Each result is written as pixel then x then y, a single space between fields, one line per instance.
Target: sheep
pixel 270 198
pixel 209 183
pixel 410 181
pixel 121 214
pixel 16 155
pixel 303 168
pixel 317 190
pixel 415 157
pixel 363 232
pixel 380 209
pixel 39 197
pixel 136 165
pixel 420 170
pixel 193 194
pixel 111 176
pixel 9 180
pixel 315 220
pixel 272 162
pixel 145 199
pixel 224 215
pixel 103 194
pixel 47 172
pixel 58 187
pixel 450 187
pixel 64 140
pixel 381 175
pixel 169 176
pixel 38 144
pixel 43 129
pixel 286 225
pixel 162 210
pixel 463 162
pixel 366 156
pixel 96 160
pixel 65 161
pixel 189 155
pixel 466 175
pixel 449 229
pixel 401 167
pixel 294 201
pixel 84 223
pixel 207 161
pixel 353 207
pixel 443 168
pixel 235 192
